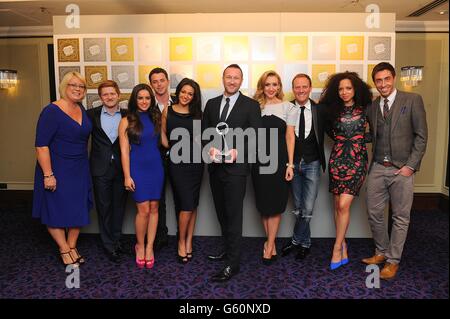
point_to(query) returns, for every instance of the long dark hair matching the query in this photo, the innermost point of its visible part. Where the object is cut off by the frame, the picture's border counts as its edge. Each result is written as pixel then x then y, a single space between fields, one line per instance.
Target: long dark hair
pixel 195 106
pixel 134 129
pixel 330 94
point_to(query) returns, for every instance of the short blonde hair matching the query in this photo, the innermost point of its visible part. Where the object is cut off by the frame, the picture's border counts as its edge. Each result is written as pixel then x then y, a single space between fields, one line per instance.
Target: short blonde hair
pixel 259 94
pixel 63 85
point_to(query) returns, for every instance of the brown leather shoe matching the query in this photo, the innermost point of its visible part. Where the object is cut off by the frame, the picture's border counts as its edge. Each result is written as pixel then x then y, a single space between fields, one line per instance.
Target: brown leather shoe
pixel 389 271
pixel 376 259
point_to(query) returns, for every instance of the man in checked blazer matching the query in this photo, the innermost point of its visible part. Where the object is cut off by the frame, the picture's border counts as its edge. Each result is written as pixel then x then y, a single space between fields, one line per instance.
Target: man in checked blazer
pixel 106 168
pixel 399 138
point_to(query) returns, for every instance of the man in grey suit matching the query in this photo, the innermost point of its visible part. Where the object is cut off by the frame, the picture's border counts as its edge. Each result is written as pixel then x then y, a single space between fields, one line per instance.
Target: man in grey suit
pixel 399 137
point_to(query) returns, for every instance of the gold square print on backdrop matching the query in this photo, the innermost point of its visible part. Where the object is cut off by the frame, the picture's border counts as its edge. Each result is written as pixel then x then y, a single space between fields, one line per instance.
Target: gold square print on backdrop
pixel 95 75
pixel 68 50
pixel 123 100
pixel 122 49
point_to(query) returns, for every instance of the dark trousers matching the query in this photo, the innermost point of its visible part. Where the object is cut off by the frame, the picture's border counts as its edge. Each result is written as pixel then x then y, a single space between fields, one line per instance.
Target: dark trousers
pixel 162 230
pixel 228 194
pixel 110 201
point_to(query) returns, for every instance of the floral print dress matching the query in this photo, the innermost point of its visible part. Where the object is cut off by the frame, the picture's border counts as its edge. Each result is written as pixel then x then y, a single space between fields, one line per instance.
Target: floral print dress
pixel 348 159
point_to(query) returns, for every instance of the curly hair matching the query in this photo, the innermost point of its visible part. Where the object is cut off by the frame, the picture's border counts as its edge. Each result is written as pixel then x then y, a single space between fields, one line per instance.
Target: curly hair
pixel 259 94
pixel 195 107
pixel 330 94
pixel 134 129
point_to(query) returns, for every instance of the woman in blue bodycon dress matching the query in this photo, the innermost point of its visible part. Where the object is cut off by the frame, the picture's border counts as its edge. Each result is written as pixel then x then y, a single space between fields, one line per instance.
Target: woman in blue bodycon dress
pixel 139 134
pixel 62 194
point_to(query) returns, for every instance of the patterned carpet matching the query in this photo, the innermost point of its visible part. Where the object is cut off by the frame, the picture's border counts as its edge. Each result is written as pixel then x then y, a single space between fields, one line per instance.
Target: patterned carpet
pixel 30 268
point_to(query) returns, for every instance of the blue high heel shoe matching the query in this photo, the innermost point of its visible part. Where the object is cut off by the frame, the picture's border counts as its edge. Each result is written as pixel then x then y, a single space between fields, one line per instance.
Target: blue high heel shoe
pixel 340 263
pixel 334 266
pixel 345 260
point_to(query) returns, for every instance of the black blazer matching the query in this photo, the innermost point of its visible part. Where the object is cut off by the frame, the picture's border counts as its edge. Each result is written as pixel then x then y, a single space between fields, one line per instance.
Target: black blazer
pixel 319 123
pixel 246 113
pixel 162 149
pixel 101 147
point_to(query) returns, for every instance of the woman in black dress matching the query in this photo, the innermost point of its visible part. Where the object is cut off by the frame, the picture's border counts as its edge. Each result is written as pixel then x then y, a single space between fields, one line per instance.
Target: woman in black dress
pixel 271 187
pixel 346 96
pixel 185 168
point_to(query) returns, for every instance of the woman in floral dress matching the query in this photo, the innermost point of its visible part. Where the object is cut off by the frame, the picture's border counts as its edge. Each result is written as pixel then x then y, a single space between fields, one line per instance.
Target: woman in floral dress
pixel 346 96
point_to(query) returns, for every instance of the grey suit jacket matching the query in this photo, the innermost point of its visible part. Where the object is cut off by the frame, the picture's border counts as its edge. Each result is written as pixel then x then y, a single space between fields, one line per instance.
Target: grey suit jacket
pixel 409 131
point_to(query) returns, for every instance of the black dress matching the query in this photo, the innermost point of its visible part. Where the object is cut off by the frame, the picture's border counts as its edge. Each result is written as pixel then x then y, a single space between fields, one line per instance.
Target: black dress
pixel 271 190
pixel 348 159
pixel 185 176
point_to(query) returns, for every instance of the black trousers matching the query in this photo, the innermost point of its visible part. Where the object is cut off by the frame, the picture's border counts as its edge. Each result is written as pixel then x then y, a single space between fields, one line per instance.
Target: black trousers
pixel 162 230
pixel 228 194
pixel 110 200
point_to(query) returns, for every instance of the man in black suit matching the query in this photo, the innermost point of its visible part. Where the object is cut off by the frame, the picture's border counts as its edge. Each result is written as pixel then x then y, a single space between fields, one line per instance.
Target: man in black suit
pixel 106 168
pixel 159 81
pixel 306 156
pixel 230 163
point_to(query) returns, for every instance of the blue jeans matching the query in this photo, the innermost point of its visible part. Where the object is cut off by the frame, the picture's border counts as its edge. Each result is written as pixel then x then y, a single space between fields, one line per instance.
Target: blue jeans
pixel 305 186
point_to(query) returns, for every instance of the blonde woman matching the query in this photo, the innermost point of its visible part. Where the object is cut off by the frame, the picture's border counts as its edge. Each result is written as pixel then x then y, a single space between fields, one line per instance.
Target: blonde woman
pixel 62 184
pixel 271 188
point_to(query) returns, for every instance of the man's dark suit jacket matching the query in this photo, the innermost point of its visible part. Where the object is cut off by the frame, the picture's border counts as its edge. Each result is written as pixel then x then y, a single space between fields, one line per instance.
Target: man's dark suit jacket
pixel 101 147
pixel 245 113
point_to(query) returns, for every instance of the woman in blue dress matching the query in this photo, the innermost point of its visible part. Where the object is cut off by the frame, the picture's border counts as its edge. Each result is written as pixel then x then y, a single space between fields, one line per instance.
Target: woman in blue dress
pixel 185 172
pixel 62 184
pixel 139 134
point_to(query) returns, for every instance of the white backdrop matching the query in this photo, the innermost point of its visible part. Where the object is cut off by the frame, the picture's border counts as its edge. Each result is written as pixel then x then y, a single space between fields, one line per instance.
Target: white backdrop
pixel 322 223
pixel 126 47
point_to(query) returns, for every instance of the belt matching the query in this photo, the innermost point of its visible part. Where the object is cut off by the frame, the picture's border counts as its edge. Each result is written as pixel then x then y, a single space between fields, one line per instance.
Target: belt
pixel 386 164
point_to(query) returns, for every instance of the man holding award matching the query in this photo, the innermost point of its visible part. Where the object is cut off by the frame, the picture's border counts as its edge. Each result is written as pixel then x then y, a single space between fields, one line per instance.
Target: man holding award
pixel 230 114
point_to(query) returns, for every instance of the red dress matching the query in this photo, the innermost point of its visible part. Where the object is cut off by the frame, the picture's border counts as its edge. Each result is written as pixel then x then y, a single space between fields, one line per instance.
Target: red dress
pixel 348 159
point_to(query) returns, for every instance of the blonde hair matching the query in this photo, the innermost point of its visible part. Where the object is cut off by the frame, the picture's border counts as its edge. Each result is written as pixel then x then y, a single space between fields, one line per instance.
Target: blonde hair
pixel 63 85
pixel 259 94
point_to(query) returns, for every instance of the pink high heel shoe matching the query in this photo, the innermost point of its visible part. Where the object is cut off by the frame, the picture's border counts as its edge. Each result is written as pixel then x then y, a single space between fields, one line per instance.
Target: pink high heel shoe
pixel 150 263
pixel 139 262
